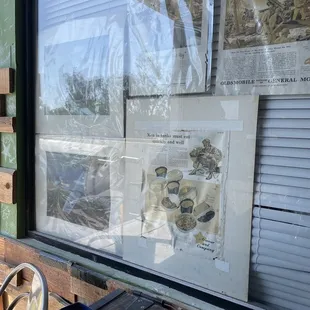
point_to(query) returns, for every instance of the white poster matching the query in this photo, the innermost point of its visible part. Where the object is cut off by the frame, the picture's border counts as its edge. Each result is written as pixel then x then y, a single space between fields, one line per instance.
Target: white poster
pixel 170 45
pixel 79 194
pixel 81 69
pixel 264 47
pixel 189 188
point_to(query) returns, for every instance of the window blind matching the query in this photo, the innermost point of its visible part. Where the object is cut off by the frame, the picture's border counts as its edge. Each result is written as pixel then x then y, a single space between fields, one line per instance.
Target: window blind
pixel 59 11
pixel 280 265
pixel 216 37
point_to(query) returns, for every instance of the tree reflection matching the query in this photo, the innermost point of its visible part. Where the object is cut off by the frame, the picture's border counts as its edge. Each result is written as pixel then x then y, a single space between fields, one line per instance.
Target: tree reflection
pixel 84 96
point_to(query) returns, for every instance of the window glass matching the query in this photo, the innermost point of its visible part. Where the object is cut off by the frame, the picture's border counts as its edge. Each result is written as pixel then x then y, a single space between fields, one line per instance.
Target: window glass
pixel 93 56
pixel 134 158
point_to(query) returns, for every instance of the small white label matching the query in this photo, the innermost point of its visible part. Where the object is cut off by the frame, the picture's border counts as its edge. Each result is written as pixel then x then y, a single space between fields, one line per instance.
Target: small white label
pixel 223 125
pixel 221 265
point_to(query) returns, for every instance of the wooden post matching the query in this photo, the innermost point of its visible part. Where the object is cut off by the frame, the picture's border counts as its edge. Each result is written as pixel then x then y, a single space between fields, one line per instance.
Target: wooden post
pixel 6 81
pixel 7 124
pixel 7 185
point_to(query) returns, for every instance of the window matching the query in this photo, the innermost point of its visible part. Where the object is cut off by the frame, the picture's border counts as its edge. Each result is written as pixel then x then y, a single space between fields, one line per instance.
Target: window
pixel 138 162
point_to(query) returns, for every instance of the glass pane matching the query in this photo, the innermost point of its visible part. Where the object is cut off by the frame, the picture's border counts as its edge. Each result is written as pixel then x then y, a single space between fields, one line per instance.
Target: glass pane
pixel 134 157
pixel 92 57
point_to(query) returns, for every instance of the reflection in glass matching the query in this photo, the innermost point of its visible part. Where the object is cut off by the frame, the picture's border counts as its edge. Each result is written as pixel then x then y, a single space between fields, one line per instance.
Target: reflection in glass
pixel 78 189
pixel 75 77
pixel 187 15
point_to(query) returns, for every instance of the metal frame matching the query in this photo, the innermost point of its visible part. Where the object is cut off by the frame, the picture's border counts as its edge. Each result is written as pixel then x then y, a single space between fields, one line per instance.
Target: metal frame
pixel 43 285
pixel 26 23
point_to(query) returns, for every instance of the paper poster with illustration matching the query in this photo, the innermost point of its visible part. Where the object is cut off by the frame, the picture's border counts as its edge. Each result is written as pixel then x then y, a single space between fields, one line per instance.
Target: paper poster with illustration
pixel 184 176
pixel 76 77
pixel 80 76
pixel 189 173
pixel 80 190
pixel 264 47
pixel 170 46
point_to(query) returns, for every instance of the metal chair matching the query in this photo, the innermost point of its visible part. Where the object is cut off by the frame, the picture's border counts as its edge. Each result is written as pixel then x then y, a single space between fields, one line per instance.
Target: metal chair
pixel 37 297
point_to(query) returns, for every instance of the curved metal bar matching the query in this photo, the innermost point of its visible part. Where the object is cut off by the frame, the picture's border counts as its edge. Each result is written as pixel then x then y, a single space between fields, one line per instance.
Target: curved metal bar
pixel 17 300
pixel 59 299
pixel 40 275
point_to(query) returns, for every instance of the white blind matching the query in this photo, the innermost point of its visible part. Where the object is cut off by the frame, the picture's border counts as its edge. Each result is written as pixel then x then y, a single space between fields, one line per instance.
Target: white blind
pixel 59 11
pixel 280 262
pixel 216 31
pixel 282 177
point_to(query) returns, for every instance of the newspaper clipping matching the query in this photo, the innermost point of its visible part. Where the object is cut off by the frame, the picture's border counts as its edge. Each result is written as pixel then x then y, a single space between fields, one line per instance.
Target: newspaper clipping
pixel 264 47
pixel 184 173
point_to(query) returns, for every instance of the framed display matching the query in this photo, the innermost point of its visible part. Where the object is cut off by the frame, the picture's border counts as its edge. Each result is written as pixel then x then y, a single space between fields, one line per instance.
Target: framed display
pixel 170 46
pixel 264 47
pixel 81 68
pixel 79 194
pixel 189 188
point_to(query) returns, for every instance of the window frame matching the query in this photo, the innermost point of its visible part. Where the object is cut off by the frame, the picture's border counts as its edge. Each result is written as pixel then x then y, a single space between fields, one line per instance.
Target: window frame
pixel 26 58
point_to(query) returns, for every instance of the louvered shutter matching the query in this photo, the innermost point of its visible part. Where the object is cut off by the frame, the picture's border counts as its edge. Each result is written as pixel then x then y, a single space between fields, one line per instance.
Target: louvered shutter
pixel 280 262
pixel 216 35
pixel 59 11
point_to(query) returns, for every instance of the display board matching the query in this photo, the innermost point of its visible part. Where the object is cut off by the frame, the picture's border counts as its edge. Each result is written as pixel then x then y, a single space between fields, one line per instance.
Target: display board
pixel 189 189
pixel 79 194
pixel 264 47
pixel 80 81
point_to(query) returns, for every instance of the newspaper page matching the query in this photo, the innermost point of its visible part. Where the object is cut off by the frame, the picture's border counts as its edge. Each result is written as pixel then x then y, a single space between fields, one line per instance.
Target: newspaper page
pixel 182 195
pixel 264 47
